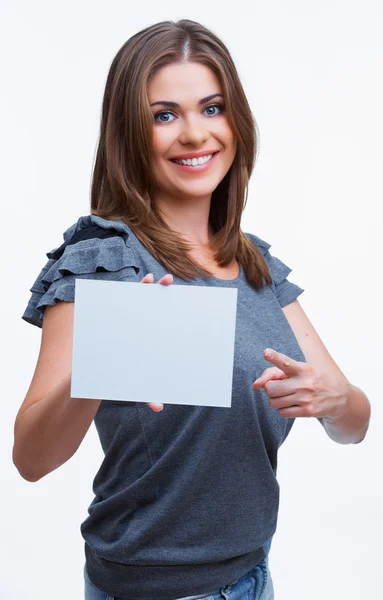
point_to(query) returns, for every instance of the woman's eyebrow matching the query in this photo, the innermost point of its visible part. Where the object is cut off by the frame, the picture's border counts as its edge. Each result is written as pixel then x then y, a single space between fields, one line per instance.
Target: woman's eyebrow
pixel 175 105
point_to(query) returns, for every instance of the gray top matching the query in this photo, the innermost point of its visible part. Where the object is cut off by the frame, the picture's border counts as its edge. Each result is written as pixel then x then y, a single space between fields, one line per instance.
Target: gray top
pixel 185 499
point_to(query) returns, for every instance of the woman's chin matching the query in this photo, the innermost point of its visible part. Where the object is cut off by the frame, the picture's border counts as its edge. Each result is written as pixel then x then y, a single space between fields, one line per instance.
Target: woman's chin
pixel 196 187
pixel 194 191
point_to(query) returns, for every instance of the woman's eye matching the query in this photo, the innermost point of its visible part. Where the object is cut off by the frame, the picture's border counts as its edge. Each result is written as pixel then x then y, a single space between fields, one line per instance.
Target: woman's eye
pixel 219 106
pixel 161 114
pixel 166 113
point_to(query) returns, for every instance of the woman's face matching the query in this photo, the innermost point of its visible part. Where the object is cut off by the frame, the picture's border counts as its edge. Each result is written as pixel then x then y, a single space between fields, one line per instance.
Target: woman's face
pixel 188 118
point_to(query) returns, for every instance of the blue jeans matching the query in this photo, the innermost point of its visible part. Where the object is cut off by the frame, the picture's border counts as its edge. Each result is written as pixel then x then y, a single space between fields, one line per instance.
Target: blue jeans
pixel 256 584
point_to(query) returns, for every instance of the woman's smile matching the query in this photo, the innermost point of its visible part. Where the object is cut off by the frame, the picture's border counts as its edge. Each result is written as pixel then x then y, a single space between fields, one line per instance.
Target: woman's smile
pixel 195 165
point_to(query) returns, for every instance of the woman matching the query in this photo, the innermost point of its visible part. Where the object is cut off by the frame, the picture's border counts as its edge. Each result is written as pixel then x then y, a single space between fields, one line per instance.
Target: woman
pixel 186 498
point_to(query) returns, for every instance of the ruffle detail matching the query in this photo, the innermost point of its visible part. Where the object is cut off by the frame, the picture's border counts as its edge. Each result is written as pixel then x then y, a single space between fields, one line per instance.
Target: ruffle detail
pixel 262 245
pixel 89 256
pixel 87 220
pixel 109 258
pixel 285 290
pixel 34 313
pixel 278 269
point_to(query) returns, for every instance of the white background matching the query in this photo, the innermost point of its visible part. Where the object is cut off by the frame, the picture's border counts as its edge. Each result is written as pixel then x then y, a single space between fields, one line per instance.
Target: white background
pixel 312 72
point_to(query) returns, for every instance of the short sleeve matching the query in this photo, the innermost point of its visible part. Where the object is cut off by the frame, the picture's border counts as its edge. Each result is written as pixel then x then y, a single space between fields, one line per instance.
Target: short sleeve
pixel 106 259
pixel 286 291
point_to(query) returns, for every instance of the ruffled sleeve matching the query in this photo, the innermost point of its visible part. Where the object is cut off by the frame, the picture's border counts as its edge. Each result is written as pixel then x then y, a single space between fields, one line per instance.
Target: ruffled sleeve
pixel 285 291
pixel 106 258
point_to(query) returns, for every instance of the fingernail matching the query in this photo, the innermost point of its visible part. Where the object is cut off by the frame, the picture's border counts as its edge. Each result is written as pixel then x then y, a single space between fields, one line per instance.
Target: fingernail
pixel 269 352
pixel 158 407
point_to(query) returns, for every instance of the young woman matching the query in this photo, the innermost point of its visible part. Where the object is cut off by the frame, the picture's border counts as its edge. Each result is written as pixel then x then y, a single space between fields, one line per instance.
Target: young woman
pixel 186 498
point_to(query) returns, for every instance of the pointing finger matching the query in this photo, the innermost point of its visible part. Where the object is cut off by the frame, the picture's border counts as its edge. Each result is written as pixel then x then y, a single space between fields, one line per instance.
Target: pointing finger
pixel 287 364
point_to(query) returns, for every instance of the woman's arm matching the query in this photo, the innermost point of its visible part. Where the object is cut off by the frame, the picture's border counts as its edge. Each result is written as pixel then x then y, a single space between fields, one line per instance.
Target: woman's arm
pixel 351 424
pixel 49 432
pixel 347 429
pixel 50 425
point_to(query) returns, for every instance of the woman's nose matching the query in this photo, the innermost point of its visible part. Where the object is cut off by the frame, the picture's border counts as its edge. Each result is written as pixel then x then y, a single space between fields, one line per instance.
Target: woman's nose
pixel 194 132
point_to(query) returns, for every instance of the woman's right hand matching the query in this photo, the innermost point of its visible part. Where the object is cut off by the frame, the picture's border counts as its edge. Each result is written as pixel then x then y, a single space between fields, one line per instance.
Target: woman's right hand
pixel 165 280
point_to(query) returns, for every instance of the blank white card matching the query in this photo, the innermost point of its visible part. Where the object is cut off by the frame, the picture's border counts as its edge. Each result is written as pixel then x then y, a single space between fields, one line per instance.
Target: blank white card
pixel 172 344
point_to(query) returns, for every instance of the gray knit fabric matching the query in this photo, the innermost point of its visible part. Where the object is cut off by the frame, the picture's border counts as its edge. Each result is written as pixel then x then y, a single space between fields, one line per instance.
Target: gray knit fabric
pixel 185 499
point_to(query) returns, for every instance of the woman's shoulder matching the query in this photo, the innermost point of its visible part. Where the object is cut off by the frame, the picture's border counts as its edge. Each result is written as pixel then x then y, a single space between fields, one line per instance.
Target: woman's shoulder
pixel 285 290
pixel 89 244
pixel 259 242
pixel 93 248
pixel 94 227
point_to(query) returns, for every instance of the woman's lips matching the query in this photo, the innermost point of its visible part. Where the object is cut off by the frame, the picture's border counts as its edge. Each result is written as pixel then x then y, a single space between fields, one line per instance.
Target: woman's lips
pixel 197 168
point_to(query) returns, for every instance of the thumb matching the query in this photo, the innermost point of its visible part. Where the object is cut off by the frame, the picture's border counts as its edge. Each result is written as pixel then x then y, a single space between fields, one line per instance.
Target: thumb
pixel 267 375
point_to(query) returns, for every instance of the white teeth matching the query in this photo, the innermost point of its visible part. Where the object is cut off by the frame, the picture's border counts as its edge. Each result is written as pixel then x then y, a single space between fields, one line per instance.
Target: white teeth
pixel 194 161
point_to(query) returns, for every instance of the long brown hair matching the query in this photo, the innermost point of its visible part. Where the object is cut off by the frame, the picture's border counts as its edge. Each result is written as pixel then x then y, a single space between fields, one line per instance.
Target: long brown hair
pixel 121 186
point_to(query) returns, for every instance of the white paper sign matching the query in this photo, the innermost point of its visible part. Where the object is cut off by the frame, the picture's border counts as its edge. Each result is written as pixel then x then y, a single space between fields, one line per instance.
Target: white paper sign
pixel 170 344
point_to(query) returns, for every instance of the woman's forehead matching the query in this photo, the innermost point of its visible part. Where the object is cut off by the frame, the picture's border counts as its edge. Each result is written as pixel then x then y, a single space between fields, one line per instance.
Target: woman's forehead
pixel 183 81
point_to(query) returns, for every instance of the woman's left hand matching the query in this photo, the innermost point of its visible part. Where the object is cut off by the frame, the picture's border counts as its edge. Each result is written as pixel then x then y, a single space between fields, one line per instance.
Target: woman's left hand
pixel 296 389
